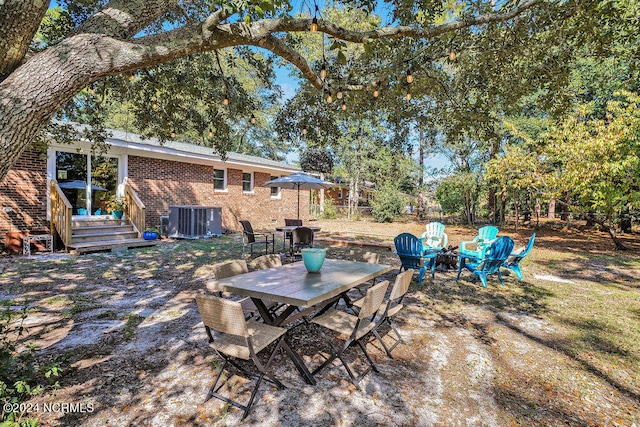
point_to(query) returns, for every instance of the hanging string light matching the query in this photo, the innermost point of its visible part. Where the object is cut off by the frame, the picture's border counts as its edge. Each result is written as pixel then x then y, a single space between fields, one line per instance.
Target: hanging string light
pixel 329 99
pixel 173 134
pixel 314 21
pixel 376 91
pixel 92 91
pixel 154 106
pixel 339 94
pixel 210 133
pixel 452 55
pixel 344 105
pixel 323 71
pixel 408 95
pixel 132 77
pixel 225 101
pixel 304 130
pixel 409 76
pixel 253 119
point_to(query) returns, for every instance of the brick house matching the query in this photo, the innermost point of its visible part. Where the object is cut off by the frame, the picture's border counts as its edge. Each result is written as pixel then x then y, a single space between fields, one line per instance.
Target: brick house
pixel 162 175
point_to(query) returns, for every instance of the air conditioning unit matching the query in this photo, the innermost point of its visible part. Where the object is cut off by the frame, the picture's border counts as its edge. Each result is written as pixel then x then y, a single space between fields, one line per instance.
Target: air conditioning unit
pixel 192 222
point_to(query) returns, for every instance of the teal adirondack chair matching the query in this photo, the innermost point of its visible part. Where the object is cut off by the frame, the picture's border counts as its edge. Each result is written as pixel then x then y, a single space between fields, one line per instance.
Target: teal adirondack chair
pixel 484 239
pixel 494 258
pixel 513 261
pixel 434 239
pixel 412 256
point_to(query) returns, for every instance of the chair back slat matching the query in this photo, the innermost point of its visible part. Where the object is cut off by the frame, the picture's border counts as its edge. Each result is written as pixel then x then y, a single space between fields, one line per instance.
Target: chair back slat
pixel 229 269
pixel 373 299
pixel 401 285
pixel 292 222
pixel 248 231
pixel 267 261
pixel 222 315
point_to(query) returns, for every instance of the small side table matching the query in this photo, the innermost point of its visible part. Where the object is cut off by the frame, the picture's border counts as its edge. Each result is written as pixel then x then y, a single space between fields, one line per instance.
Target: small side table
pixel 26 242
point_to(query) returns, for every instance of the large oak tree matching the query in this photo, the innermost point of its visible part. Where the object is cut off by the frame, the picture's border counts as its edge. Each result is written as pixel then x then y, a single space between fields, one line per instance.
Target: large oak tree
pixel 118 36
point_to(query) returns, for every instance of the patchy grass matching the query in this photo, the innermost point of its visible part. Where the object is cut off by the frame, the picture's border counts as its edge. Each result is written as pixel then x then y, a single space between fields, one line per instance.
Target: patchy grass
pixel 562 345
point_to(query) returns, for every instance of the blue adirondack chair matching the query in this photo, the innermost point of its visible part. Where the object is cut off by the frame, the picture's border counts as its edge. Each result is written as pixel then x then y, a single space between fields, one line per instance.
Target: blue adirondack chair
pixel 494 257
pixel 486 236
pixel 434 239
pixel 513 261
pixel 412 256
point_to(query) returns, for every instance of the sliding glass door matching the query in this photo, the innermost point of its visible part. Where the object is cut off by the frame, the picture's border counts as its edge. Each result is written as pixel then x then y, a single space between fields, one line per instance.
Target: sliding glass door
pixel 86 180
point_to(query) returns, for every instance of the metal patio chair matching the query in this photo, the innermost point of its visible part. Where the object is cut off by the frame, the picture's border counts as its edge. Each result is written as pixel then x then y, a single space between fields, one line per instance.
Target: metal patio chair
pixel 353 329
pixel 238 338
pixel 302 237
pixel 251 238
pixel 391 307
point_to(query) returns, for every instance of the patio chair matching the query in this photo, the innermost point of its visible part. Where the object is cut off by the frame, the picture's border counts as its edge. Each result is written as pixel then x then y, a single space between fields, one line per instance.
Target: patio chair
pixel 513 261
pixel 293 222
pixel 238 338
pixel 251 238
pixel 434 239
pixel 369 258
pixel 267 261
pixel 412 256
pixel 302 237
pixel 484 239
pixel 391 307
pixel 493 259
pixel 353 329
pixel 233 268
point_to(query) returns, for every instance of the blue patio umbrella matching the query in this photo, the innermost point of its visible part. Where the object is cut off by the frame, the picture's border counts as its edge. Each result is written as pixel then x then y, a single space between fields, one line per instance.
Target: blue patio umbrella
pixel 299 180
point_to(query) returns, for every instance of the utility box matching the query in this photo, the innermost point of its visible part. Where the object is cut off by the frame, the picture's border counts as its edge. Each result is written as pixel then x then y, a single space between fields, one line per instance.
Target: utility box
pixel 193 222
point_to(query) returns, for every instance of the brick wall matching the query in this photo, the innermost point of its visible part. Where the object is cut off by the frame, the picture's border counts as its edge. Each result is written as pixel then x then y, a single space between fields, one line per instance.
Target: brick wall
pixel 164 183
pixel 24 190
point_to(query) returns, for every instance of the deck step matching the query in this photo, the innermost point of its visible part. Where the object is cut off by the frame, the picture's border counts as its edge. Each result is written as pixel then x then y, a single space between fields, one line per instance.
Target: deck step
pixel 96 221
pixel 112 245
pixel 98 229
pixel 104 236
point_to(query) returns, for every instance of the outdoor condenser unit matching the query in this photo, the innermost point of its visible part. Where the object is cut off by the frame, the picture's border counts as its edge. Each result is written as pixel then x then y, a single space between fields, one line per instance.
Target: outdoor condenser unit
pixel 192 222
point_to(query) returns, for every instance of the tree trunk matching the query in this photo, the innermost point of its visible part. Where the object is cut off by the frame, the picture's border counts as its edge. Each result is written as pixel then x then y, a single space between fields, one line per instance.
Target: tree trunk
pixel 421 158
pixel 551 213
pixel 321 196
pixel 602 223
pixel 517 215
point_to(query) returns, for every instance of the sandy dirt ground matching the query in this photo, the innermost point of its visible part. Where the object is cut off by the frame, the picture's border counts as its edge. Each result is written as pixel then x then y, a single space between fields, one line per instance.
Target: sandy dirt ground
pixel 135 351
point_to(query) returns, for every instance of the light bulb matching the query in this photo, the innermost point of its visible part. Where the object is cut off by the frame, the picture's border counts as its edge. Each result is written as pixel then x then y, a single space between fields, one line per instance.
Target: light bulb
pixel 132 77
pixel 173 134
pixel 408 96
pixel 225 101
pixel 323 72
pixel 314 24
pixel 376 93
pixel 304 131
pixel 92 91
pixel 329 99
pixel 452 55
pixel 344 106
pixel 409 76
pixel 154 106
pixel 210 133
pixel 253 119
pixel 339 94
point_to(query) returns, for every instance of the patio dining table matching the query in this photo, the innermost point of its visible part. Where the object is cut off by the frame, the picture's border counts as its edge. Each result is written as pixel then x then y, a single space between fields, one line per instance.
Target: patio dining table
pixel 300 292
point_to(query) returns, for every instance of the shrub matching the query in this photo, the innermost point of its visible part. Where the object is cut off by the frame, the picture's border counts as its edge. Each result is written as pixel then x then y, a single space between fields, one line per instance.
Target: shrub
pixel 330 210
pixel 388 204
pixel 19 378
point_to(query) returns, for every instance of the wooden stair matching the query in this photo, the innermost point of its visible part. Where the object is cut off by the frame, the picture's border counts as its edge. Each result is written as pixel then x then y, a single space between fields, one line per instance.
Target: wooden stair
pixel 99 233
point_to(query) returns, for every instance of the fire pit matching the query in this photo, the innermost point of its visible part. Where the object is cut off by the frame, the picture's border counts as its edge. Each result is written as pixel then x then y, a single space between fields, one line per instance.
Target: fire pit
pixel 447 259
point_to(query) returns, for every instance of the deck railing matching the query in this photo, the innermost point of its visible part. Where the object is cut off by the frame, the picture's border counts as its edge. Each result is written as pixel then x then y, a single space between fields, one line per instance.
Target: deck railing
pixel 135 208
pixel 61 212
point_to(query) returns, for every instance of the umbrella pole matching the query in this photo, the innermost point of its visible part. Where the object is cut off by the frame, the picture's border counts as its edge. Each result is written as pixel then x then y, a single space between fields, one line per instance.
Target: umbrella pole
pixel 298 201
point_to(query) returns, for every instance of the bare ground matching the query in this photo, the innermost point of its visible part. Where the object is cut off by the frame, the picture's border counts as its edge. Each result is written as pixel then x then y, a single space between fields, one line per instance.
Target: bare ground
pixel 132 344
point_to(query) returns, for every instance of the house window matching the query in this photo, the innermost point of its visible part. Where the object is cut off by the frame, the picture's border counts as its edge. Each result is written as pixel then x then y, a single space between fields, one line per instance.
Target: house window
pixel 247 182
pixel 275 191
pixel 219 179
pixel 339 193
